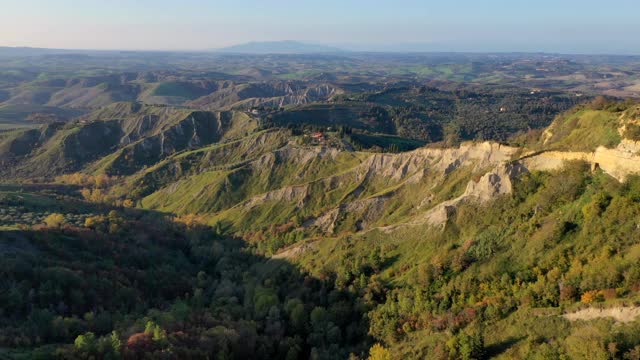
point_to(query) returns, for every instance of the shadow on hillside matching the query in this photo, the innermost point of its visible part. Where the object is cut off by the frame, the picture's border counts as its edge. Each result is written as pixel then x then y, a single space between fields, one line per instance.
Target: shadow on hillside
pixel 389 261
pixel 498 348
pixel 187 278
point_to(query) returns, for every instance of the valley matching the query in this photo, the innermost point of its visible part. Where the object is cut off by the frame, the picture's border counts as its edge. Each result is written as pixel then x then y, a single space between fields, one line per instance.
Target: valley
pixel 324 206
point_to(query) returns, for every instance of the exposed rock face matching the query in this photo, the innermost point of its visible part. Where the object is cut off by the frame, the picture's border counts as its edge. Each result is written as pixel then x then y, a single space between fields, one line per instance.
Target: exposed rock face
pixel 136 135
pixel 483 154
pixel 491 185
pixel 364 209
pixel 618 313
pixel 59 149
pixel 359 192
pixel 494 183
pixel 439 214
pixel 269 94
pixel 294 251
pixel 147 141
pixel 441 161
pixel 287 194
pixel 363 190
pixel 618 162
pixel 412 167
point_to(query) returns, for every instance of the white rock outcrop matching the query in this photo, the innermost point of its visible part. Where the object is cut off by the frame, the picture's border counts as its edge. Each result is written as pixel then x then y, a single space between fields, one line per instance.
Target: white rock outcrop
pixel 618 162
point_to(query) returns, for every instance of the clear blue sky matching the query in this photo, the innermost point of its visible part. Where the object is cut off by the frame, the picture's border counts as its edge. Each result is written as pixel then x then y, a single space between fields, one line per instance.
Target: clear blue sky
pixel 586 26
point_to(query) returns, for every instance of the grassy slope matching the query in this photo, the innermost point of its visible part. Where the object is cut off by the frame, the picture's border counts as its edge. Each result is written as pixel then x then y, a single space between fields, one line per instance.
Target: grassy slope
pixel 504 261
pixel 537 238
pixel 234 186
pixel 585 130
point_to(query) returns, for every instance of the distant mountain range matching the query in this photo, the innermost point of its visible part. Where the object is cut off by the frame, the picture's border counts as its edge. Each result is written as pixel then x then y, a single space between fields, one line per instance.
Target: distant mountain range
pixel 279 47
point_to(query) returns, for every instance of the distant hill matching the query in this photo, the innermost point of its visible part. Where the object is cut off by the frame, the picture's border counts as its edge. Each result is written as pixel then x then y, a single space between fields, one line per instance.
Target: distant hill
pixel 6 51
pixel 279 47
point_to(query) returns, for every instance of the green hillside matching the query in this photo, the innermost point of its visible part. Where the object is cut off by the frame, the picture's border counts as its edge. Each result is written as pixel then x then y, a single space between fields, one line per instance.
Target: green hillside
pixel 365 213
pixel 529 258
pixel 118 139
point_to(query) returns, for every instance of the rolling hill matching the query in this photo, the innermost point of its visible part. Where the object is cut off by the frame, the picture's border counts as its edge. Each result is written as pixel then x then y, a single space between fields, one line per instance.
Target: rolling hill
pixel 290 219
pixel 279 47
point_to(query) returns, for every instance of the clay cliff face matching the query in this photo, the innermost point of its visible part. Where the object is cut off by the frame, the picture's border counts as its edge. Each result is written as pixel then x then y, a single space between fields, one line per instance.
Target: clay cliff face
pixel 618 162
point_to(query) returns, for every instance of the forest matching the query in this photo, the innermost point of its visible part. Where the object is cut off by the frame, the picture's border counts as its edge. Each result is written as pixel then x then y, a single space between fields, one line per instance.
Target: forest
pixel 136 285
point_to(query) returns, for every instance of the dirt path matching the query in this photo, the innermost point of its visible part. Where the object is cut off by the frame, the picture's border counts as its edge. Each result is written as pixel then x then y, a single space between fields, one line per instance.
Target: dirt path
pixel 294 250
pixel 621 314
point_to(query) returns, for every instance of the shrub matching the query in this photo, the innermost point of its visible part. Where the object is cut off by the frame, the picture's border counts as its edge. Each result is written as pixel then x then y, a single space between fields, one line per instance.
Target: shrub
pixel 632 132
pixel 86 343
pixel 54 220
pixel 589 297
pixel 378 352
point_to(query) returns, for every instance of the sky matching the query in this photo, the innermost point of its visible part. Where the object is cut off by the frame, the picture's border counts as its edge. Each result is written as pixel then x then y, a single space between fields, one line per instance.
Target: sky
pixel 567 26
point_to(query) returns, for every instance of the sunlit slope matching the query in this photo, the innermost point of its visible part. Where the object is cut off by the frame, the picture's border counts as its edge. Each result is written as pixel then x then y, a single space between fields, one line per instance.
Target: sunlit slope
pixel 120 138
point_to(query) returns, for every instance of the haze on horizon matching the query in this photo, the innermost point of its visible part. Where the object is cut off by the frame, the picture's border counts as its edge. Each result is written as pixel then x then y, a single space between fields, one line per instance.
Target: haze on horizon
pixel 568 26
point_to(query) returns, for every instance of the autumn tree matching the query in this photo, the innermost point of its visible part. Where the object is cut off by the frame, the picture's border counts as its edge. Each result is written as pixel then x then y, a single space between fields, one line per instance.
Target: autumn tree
pixel 54 220
pixel 379 352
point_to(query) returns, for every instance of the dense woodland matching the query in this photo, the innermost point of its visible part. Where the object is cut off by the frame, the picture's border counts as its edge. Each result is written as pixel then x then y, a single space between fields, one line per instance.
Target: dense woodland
pixel 130 285
pixel 433 114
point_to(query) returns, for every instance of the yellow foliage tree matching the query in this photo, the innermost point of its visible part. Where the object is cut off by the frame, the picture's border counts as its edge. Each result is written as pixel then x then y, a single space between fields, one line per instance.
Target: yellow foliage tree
pixel 589 297
pixel 86 193
pixel 94 221
pixel 95 195
pixel 98 181
pixel 74 179
pixel 378 352
pixel 101 181
pixel 54 220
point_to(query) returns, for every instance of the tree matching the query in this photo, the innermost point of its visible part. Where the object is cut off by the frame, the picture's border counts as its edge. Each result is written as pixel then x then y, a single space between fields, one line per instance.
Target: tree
pixel 97 222
pixel 379 352
pixel 86 343
pixel 109 347
pixel 54 220
pixel 263 300
pixel 467 345
pixel 297 314
pixel 102 181
pixel 156 332
pixel 589 296
pixel 587 343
